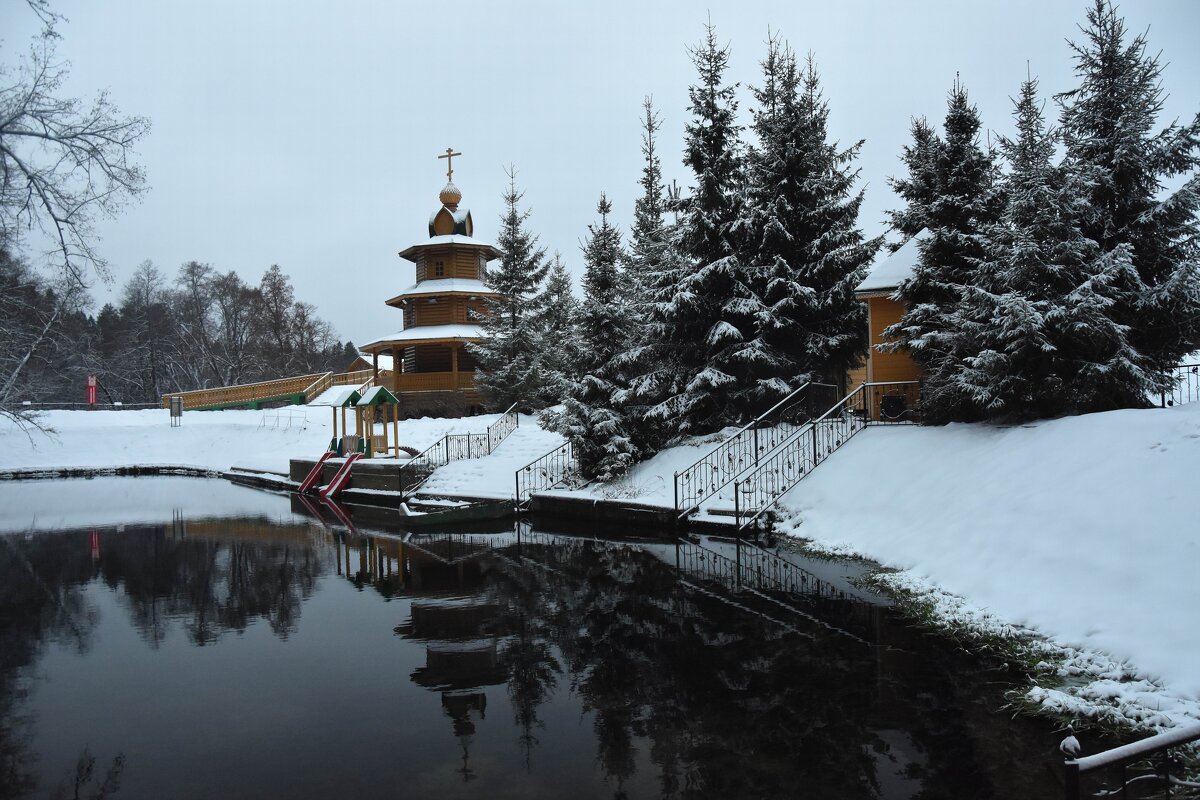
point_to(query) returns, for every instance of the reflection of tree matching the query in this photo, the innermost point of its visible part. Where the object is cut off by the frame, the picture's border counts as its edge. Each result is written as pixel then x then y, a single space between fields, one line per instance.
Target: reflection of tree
pixel 213 586
pixel 527 655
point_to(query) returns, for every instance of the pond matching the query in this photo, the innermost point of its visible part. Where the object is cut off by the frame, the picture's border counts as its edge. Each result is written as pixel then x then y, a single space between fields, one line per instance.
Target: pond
pixel 191 639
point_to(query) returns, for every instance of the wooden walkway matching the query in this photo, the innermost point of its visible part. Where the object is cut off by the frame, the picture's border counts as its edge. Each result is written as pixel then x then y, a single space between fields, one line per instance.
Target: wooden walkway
pixel 294 391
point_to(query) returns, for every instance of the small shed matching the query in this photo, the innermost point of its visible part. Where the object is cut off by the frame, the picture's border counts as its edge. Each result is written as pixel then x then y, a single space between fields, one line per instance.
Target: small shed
pixel 877 290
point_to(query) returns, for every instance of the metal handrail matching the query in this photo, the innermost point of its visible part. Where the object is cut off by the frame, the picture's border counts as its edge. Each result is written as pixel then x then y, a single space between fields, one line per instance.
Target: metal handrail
pixel 757 489
pixel 545 472
pixel 1126 755
pixel 499 430
pixel 1186 386
pixel 737 453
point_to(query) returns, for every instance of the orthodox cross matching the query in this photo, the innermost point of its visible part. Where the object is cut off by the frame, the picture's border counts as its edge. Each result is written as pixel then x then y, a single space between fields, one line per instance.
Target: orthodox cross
pixel 449 156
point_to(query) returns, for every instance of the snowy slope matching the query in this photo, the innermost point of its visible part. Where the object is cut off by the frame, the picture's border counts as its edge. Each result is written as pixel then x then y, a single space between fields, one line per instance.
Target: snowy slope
pixel 261 440
pixel 1085 529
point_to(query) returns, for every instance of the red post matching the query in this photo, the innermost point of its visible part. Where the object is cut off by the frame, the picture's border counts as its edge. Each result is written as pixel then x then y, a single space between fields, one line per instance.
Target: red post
pixel 91 391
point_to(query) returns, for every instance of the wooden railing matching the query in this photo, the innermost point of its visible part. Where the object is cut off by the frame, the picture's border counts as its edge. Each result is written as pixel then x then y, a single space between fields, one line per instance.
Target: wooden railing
pixel 356 378
pixel 249 393
pixel 435 381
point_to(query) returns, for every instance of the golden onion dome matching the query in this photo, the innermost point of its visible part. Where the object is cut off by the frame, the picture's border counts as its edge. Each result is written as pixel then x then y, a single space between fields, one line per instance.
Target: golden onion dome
pixel 450 195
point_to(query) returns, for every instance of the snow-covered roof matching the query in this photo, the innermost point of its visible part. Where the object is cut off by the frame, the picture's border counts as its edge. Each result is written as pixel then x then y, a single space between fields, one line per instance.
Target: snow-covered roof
pixel 451 238
pixel 336 396
pixel 376 395
pixel 445 286
pixel 422 333
pixel 892 270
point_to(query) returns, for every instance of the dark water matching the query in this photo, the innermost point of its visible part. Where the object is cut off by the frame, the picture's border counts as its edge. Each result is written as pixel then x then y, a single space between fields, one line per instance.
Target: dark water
pixel 270 655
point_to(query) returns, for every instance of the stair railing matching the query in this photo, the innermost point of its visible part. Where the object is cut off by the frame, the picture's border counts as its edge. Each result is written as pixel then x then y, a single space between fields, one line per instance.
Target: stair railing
pixel 744 448
pixel 456 447
pixel 545 472
pixel 887 403
pixel 499 430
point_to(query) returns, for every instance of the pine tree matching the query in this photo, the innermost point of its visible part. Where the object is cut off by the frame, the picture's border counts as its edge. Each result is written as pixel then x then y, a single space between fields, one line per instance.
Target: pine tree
pixel 803 242
pixel 706 317
pixel 1036 319
pixel 1108 127
pixel 966 203
pixel 560 351
pixel 509 368
pixel 592 418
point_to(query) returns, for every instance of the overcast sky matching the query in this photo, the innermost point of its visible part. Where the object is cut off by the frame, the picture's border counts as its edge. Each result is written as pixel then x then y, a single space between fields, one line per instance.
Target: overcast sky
pixel 306 134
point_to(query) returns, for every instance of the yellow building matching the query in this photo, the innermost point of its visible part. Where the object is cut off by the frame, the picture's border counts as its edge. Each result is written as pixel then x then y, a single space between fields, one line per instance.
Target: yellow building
pixel 425 363
pixel 875 290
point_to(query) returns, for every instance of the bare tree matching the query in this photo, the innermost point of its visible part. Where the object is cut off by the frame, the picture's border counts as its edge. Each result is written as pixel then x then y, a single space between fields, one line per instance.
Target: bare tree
pixel 63 163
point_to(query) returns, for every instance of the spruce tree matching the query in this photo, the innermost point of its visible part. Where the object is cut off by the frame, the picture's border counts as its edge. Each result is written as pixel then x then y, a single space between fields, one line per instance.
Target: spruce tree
pixel 592 417
pixel 510 369
pixel 655 266
pixel 803 242
pixel 1035 323
pixel 706 318
pixel 966 203
pixel 560 350
pixel 919 188
pixel 1108 125
pixel 648 238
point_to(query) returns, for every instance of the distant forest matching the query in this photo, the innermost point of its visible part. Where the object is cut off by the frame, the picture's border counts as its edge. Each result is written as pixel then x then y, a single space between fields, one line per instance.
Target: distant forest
pixel 202 328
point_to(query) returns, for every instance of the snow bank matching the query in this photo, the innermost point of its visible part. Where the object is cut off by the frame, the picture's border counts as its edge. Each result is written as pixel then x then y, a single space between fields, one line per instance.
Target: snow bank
pixel 257 440
pixel 1083 529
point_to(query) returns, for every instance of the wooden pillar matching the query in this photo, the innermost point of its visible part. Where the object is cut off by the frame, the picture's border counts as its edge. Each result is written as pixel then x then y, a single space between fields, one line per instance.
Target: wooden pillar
pixel 358 420
pixel 396 428
pixel 397 366
pixel 343 421
pixel 454 364
pixel 385 435
pixel 335 436
pixel 374 368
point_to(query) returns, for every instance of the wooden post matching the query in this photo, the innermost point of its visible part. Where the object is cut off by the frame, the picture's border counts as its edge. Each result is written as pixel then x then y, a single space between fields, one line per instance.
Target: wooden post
pixel 396 428
pixel 385 435
pixel 374 368
pixel 454 365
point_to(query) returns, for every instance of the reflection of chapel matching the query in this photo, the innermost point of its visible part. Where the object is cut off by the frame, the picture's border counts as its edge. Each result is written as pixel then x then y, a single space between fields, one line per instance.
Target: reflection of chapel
pixel 430 369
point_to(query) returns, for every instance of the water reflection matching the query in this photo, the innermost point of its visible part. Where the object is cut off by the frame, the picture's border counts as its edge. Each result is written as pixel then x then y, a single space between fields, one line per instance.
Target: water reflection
pixel 695 668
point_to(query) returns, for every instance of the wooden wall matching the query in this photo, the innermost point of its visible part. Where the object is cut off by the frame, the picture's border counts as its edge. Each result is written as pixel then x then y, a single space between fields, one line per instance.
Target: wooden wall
pixel 440 311
pixel 882 367
pixel 456 262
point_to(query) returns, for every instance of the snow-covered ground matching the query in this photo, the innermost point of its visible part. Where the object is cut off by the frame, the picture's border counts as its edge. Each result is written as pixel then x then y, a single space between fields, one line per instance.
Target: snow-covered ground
pixel 257 440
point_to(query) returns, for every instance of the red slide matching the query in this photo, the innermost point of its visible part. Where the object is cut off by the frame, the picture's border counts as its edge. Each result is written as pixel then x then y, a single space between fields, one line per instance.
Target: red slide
pixel 339 481
pixel 314 477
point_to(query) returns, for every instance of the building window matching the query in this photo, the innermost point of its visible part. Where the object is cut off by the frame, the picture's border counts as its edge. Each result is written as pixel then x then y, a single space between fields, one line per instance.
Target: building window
pixel 439 269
